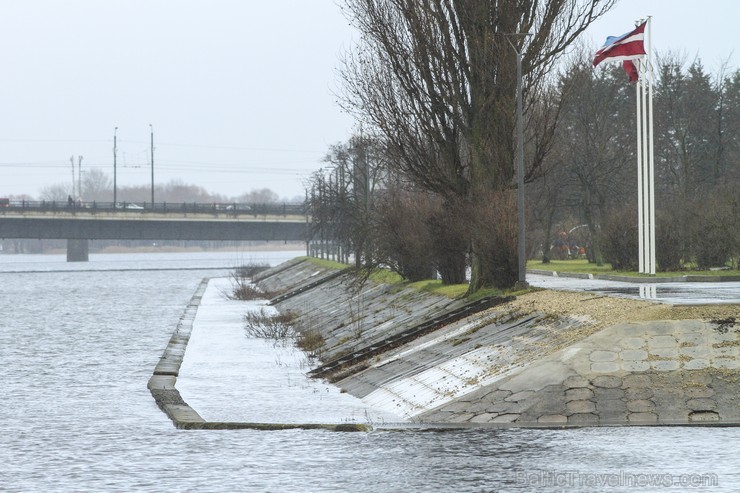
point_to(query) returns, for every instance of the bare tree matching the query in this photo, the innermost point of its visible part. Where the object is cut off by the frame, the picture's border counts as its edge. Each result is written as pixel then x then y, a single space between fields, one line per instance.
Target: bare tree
pixel 437 79
pixel 96 185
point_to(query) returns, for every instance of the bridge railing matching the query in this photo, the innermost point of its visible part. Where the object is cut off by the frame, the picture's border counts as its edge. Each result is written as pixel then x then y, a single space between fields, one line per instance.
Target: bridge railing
pixel 214 208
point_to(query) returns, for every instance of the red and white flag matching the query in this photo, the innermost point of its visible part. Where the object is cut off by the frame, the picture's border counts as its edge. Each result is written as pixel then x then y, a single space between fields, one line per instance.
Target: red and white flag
pixel 625 47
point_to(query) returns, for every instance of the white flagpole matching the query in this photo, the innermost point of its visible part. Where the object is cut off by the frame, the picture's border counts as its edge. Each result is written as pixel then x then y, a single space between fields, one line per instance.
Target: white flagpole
pixel 644 170
pixel 640 231
pixel 651 164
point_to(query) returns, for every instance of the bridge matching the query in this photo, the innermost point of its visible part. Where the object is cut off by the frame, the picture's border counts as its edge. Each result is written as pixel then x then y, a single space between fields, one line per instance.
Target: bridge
pixel 78 223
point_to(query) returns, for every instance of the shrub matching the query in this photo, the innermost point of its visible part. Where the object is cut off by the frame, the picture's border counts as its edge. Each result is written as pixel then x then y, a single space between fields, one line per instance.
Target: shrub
pixel 277 327
pixel 621 240
pixel 242 287
pixel 716 238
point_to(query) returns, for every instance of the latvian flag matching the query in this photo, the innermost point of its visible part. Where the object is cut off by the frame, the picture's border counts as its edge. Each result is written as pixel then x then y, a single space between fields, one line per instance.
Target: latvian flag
pixel 624 48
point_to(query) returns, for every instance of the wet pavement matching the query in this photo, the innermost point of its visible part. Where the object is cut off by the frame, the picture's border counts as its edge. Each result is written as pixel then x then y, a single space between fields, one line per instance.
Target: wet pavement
pixel 674 293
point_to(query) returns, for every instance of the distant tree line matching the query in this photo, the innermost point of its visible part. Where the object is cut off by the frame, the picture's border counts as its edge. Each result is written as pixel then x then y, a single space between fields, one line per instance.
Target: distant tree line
pixel 97 185
pixel 581 182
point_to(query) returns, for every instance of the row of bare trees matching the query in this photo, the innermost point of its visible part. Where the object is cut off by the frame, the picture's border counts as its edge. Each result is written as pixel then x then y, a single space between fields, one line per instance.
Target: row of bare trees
pixel 407 197
pixel 435 81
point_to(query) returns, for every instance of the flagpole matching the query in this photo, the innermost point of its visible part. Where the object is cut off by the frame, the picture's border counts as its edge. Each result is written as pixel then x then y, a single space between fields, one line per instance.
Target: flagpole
pixel 640 227
pixel 645 175
pixel 651 162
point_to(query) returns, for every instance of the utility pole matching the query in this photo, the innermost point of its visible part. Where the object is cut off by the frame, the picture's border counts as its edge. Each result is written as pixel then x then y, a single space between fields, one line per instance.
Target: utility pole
pixel 79 177
pixel 152 149
pixel 72 160
pixel 115 151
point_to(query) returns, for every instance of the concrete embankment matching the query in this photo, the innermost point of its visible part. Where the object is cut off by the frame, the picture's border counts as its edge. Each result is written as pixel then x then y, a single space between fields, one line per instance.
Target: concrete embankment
pixel 516 361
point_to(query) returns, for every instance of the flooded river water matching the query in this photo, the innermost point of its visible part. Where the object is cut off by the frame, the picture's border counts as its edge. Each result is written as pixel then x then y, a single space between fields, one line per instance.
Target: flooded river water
pixel 78 343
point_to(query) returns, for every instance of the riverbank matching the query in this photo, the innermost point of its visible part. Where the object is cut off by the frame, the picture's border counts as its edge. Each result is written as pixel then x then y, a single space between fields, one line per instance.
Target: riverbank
pixel 546 358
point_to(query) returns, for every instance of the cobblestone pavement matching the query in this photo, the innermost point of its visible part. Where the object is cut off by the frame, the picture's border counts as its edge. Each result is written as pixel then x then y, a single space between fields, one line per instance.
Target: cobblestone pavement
pixel 670 372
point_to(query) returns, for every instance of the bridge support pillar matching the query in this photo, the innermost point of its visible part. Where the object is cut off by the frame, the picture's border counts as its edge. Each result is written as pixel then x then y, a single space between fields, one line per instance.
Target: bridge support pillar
pixel 77 250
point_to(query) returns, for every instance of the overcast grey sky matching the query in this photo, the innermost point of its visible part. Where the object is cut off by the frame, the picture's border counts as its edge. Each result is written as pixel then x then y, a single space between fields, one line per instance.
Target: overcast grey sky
pixel 240 93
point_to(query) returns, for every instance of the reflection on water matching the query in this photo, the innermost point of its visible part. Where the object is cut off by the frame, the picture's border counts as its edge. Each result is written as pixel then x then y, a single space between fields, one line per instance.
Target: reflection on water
pixel 648 291
pixel 77 349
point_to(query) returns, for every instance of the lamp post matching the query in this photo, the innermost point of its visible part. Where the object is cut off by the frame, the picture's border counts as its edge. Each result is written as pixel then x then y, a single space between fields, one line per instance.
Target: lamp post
pixel 151 129
pixel 522 270
pixel 115 152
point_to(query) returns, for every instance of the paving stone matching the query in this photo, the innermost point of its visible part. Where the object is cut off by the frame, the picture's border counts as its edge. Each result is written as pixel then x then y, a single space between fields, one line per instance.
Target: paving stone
pixel 605 367
pixel 636 381
pixel 696 352
pixel 635 366
pixel 576 381
pixel 482 418
pixel 701 404
pixel 520 396
pixel 715 337
pixel 547 406
pixel 610 393
pixel 665 352
pixel 633 355
pixel 601 356
pixel 696 339
pixel 607 381
pixel 611 406
pixel 673 416
pixel 642 418
pixel 613 418
pixel 662 341
pixel 639 393
pixel 581 406
pixel 633 342
pixel 505 418
pixel 478 407
pixel 496 395
pixel 641 406
pixel 658 328
pixel 726 363
pixel 696 364
pixel 553 419
pixel 583 419
pixel 578 394
pixel 631 330
pixel 461 417
pixel 665 365
pixel 725 352
pixel 669 396
pixel 506 407
pixel 554 388
pixel 699 392
pixel 704 416
pixel 697 378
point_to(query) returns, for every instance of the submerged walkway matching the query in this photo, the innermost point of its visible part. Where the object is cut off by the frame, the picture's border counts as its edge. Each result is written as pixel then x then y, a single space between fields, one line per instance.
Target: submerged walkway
pixel 228 377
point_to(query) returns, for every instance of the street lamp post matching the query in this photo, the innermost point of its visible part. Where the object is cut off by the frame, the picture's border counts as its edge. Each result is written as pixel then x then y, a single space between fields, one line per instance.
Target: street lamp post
pixel 115 152
pixel 522 277
pixel 151 129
